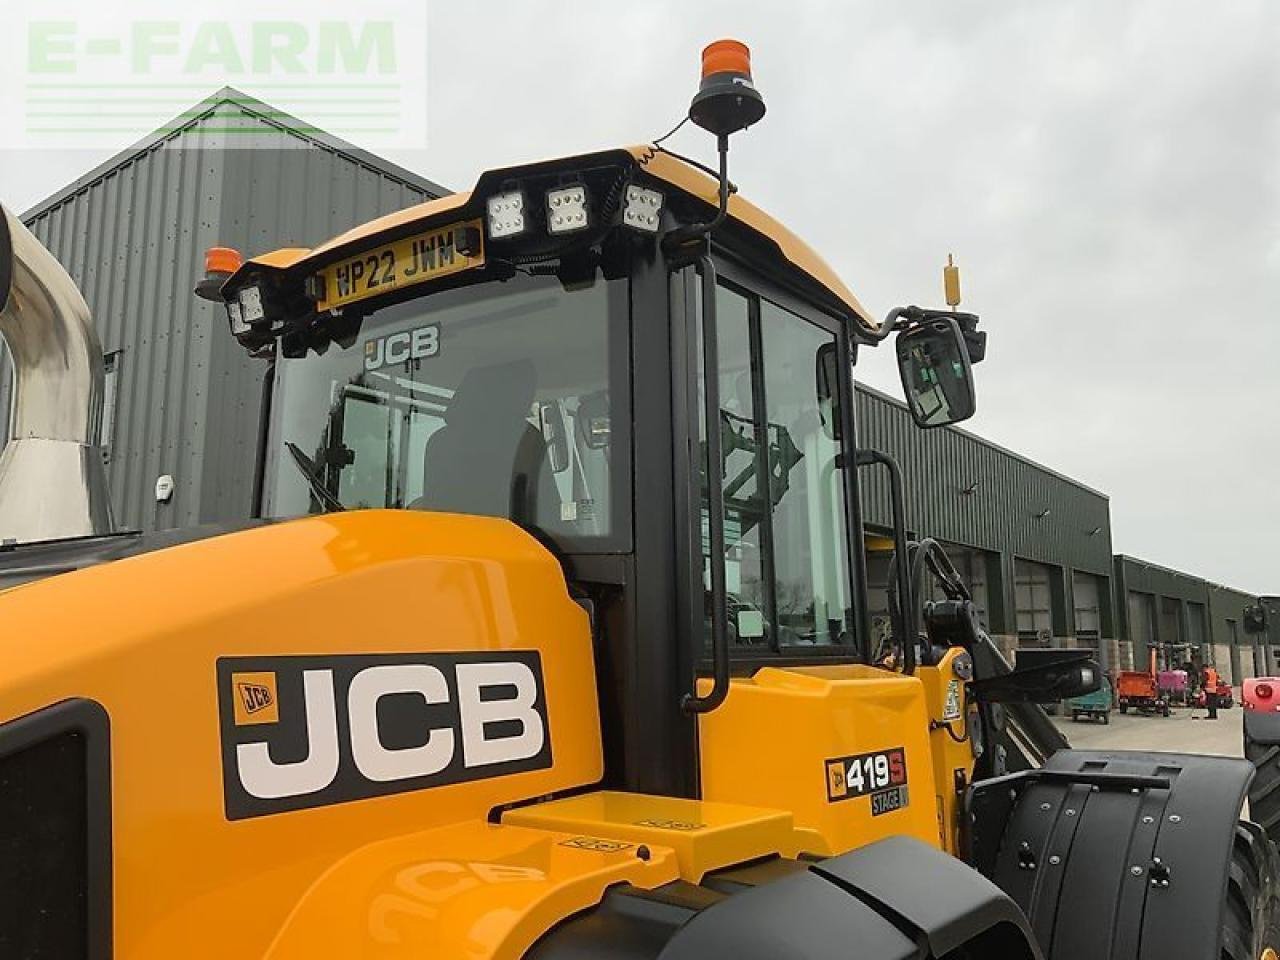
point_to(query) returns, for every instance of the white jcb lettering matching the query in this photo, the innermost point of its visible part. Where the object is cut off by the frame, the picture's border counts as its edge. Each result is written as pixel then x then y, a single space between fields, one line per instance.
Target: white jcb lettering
pixel 264 778
pixel 398 347
pixel 375 760
pixel 420 343
pixel 426 342
pixel 461 721
pixel 476 712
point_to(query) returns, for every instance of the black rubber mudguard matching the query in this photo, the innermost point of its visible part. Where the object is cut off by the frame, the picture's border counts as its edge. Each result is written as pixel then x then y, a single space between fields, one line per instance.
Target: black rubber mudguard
pixel 1114 855
pixel 897 899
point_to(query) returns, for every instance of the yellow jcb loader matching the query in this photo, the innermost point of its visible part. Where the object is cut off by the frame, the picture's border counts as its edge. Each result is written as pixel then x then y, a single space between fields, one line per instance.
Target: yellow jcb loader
pixel 565 651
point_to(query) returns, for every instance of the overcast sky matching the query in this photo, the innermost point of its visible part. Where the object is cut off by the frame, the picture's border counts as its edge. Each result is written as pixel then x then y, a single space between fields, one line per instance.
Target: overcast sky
pixel 1106 173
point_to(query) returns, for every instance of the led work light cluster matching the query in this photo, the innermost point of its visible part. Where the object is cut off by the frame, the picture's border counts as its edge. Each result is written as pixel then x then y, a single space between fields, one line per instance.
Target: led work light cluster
pixel 246 310
pixel 568 211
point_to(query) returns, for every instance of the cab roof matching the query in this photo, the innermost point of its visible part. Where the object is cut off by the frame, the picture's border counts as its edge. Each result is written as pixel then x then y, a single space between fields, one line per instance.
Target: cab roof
pixel 661 165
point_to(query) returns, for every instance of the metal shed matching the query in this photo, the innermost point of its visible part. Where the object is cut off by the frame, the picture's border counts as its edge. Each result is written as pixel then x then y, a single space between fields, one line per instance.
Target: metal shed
pixel 182 398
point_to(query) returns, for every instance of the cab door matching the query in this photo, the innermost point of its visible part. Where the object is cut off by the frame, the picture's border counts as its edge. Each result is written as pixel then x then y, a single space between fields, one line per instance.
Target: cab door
pixel 790 574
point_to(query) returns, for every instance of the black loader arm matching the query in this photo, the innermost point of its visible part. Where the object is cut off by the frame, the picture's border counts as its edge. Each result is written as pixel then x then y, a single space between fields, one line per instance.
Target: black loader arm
pixel 1017 735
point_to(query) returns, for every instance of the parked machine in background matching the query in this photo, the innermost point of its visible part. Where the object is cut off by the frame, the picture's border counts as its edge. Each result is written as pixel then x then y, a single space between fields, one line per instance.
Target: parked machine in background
pixel 1260 698
pixel 1093 706
pixel 1261 695
pixel 557 643
pixel 1138 689
pixel 1173 686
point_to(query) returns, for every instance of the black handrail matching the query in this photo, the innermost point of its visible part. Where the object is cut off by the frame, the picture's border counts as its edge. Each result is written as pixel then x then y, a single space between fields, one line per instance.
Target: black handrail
pixel 904 610
pixel 264 433
pixel 692 702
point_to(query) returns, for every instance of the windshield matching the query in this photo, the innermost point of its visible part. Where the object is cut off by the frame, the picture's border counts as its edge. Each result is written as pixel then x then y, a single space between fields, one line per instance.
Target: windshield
pixel 506 399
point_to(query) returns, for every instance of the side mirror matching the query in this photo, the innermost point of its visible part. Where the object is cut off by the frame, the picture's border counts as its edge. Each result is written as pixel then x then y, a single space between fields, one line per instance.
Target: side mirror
pixel 551 420
pixel 937 377
pixel 828 380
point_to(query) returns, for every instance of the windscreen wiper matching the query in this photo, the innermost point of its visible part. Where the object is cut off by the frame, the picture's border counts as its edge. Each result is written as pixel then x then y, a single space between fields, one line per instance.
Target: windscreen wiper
pixel 312 474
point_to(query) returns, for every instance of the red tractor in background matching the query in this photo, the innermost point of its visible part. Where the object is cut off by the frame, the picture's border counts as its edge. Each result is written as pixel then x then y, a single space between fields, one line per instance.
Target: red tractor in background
pixel 1260 698
pixel 1261 694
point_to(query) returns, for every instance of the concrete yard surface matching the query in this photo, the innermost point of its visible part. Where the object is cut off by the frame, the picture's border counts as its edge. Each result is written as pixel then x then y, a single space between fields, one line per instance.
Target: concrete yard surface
pixel 1178 732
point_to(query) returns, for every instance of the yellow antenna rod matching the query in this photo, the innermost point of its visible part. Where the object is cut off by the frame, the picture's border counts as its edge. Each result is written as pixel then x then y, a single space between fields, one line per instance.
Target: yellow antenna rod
pixel 951 282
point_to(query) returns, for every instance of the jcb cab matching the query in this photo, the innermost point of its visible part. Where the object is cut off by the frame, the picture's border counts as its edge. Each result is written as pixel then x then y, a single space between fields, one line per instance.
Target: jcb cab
pixel 570 652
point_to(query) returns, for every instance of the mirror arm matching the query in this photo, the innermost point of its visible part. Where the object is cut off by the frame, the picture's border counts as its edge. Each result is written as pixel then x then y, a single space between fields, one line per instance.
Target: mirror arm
pixel 889 324
pixel 975 340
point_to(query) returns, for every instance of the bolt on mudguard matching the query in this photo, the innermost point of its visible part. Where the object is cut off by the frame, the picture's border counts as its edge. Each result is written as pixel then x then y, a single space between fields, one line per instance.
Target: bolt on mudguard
pixel 1106 851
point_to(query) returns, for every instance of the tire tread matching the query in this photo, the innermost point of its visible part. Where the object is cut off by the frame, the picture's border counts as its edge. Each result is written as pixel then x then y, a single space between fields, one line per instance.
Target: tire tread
pixel 1249 921
pixel 1264 791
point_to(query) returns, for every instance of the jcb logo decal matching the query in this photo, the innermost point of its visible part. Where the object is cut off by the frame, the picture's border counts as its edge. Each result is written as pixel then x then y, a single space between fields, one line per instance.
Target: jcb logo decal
pixel 309 731
pixel 837 789
pixel 661 823
pixel 595 844
pixel 255 700
pixel 419 344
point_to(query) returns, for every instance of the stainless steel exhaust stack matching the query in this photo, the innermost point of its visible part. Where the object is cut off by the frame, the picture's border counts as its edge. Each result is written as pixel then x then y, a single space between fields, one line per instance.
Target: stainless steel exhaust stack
pixel 53 483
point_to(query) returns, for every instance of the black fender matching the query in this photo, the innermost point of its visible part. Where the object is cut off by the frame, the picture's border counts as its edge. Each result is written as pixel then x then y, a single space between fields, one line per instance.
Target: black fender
pixel 896 899
pixel 1113 855
pixel 883 901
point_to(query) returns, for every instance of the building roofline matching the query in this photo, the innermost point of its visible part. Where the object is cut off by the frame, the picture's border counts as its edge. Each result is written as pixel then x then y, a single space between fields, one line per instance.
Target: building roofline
pixel 1152 565
pixel 991 444
pixel 1214 585
pixel 261 111
pixel 1209 584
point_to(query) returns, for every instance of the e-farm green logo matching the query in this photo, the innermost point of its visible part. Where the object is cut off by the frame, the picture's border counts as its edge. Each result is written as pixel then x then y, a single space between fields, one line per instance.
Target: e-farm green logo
pixel 239 78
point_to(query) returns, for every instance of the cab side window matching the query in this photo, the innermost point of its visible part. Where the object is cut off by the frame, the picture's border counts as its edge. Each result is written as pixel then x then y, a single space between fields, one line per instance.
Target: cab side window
pixel 786 546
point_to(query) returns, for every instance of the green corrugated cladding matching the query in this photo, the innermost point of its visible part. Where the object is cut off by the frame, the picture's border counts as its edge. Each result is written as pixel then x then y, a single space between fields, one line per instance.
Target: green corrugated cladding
pixel 1004 514
pixel 132 234
pixel 1224 605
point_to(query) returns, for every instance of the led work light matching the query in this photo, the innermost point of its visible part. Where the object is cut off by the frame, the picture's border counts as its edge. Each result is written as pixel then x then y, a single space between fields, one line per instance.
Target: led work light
pixel 506 214
pixel 567 209
pixel 643 209
pixel 251 308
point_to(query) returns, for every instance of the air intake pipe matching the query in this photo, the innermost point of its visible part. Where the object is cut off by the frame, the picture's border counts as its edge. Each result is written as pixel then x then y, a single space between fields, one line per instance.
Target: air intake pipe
pixel 53 483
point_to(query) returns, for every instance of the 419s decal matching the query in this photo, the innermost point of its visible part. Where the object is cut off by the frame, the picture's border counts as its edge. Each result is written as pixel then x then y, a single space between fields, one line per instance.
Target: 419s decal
pixel 865 773
pixel 308 731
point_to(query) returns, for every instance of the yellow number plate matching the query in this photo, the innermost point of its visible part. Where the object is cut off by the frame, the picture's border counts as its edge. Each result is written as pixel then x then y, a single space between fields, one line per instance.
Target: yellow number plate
pixel 416 259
